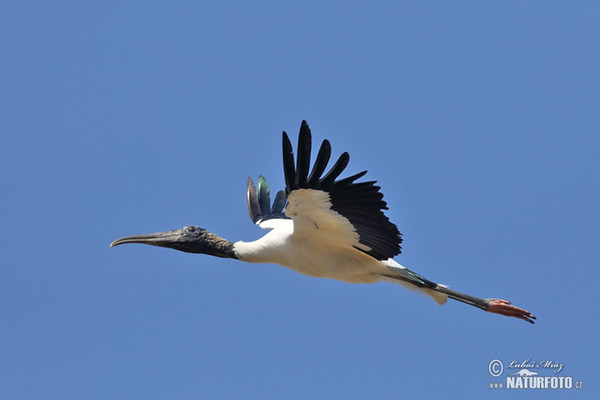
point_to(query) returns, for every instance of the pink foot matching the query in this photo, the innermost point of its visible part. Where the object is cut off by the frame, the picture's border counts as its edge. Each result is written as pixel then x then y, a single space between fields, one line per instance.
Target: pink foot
pixel 503 307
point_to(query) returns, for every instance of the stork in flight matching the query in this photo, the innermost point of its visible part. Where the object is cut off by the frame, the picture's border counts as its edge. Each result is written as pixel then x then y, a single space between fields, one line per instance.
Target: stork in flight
pixel 321 226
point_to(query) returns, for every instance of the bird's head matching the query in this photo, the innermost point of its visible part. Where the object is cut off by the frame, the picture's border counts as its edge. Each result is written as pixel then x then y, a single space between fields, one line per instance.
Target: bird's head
pixel 191 239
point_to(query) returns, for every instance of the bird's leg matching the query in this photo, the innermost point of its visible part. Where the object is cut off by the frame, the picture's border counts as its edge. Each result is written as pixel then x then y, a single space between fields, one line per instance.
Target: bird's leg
pixel 496 306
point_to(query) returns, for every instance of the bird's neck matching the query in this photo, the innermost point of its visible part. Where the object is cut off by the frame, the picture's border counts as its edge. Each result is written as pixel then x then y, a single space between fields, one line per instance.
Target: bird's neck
pixel 215 245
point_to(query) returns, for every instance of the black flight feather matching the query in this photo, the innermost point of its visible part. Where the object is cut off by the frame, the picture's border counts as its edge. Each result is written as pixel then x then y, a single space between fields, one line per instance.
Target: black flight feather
pixel 320 163
pixel 336 170
pixel 303 161
pixel 289 171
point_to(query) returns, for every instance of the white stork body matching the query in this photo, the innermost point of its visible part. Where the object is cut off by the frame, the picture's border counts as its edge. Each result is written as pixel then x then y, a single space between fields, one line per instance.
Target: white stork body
pixel 321 243
pixel 310 253
pixel 332 228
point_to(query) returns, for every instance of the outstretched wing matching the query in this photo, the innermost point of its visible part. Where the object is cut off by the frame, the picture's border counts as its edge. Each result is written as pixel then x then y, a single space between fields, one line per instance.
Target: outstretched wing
pixel 259 202
pixel 351 210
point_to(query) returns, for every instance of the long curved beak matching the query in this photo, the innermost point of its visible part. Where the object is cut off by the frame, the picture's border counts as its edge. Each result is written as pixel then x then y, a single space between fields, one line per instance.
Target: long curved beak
pixel 162 239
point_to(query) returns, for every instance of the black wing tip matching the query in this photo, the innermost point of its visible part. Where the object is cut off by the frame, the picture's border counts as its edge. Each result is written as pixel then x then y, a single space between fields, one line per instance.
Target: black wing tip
pixel 304 130
pixel 303 156
pixel 287 143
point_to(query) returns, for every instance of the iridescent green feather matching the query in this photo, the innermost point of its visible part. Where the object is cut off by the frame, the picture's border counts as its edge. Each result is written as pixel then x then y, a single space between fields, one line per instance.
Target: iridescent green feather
pixel 264 198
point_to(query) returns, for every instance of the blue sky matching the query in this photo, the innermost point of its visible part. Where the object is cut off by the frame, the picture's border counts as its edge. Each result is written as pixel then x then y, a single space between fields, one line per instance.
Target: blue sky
pixel 480 120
